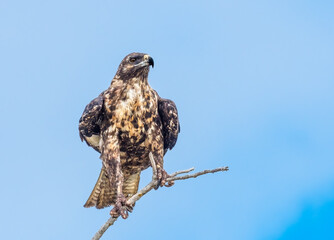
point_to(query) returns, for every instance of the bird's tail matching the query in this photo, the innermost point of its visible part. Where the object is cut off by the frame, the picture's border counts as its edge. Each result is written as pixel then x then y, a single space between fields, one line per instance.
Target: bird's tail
pixel 103 195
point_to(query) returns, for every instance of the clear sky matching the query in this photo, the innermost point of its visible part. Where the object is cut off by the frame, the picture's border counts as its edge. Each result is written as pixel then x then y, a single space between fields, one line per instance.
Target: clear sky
pixel 253 82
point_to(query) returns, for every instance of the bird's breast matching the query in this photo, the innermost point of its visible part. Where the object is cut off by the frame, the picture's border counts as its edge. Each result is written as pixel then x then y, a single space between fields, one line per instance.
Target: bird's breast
pixel 134 113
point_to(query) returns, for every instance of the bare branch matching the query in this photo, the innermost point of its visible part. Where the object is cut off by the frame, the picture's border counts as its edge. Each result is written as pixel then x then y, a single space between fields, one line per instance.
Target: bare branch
pixel 181 172
pixel 104 228
pixel 195 175
pixel 172 177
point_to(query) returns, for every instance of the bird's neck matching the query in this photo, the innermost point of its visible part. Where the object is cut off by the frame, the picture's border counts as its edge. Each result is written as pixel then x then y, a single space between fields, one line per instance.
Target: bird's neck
pixel 140 81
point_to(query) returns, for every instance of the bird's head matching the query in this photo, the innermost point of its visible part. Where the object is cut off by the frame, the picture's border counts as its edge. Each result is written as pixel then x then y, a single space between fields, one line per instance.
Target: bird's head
pixel 134 65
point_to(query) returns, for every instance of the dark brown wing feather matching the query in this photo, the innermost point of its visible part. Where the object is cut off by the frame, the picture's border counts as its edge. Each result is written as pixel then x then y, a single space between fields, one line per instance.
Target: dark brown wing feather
pixel 90 122
pixel 170 122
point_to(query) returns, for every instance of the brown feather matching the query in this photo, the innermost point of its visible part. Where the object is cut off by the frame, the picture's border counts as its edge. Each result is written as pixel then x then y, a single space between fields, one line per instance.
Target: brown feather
pixel 125 123
pixel 103 195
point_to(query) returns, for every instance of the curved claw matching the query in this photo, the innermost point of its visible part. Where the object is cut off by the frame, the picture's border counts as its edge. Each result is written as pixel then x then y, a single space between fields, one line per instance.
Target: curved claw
pixel 169 184
pixel 119 212
pixel 162 176
pixel 121 208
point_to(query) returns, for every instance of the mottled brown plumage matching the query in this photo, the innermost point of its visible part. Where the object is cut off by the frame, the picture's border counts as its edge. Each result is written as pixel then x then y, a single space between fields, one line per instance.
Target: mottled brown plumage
pixel 125 123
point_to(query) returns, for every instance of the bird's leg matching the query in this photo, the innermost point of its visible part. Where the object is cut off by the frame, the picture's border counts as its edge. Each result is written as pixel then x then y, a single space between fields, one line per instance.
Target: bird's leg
pixel 161 173
pixel 112 162
pixel 121 206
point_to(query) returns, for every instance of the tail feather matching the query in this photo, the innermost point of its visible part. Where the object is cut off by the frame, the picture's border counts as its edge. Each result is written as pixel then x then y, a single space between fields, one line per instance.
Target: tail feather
pixel 103 195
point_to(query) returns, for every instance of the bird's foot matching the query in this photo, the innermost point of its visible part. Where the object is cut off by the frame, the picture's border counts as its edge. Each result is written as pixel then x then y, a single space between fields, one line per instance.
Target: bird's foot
pixel 162 177
pixel 121 208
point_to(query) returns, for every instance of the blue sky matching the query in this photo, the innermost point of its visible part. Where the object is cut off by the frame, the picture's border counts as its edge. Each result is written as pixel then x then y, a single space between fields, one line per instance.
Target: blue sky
pixel 253 82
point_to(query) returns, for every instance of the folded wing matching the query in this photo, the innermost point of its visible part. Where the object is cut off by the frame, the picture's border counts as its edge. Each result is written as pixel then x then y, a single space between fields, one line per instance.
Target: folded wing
pixel 90 122
pixel 170 122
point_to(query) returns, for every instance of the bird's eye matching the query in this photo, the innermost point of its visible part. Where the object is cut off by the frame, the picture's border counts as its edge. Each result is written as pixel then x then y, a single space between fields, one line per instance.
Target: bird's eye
pixel 132 60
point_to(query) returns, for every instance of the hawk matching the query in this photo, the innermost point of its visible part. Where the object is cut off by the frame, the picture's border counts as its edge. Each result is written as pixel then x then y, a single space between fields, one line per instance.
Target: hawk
pixel 124 124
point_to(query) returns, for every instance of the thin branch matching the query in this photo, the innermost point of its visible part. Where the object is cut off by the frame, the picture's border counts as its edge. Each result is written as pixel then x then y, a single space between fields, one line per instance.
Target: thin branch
pixel 195 175
pixel 172 177
pixel 181 172
pixel 104 228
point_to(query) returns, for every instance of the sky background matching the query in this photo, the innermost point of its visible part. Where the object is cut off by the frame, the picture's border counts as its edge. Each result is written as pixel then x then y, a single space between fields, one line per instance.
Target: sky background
pixel 253 82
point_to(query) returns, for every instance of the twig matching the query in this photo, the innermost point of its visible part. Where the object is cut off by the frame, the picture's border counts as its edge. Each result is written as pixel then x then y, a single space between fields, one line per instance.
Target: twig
pixel 172 177
pixel 181 172
pixel 195 175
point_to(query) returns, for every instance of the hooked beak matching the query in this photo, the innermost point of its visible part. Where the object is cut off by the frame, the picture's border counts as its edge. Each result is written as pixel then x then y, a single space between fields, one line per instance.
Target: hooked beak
pixel 149 60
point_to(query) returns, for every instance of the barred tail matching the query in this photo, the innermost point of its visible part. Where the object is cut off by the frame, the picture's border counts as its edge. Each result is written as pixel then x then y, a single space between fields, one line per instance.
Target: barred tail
pixel 103 195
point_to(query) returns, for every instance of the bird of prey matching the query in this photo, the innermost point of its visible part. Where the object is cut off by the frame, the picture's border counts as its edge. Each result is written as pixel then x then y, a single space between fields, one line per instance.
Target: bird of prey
pixel 124 124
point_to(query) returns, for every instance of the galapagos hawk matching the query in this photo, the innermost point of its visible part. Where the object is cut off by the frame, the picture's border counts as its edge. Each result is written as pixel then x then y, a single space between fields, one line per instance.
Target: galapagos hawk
pixel 124 124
